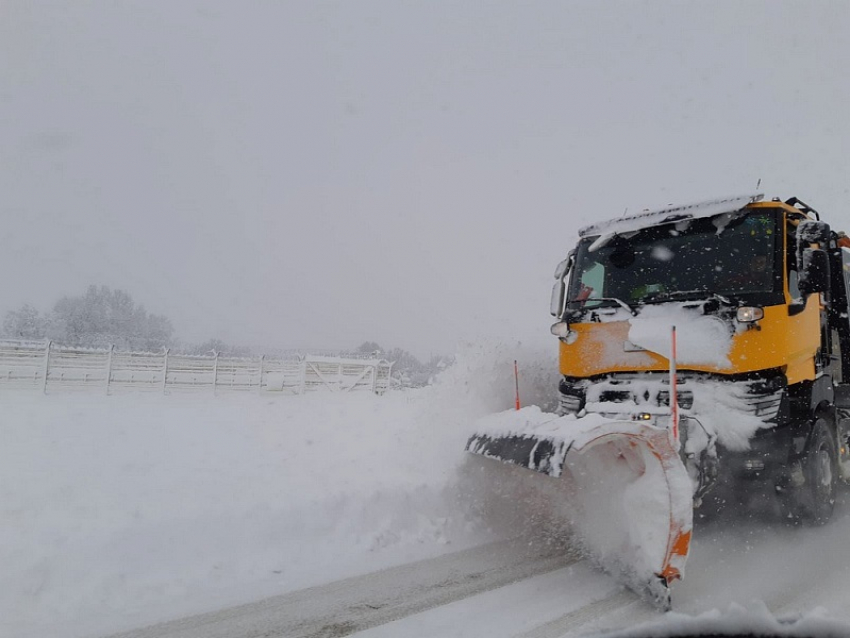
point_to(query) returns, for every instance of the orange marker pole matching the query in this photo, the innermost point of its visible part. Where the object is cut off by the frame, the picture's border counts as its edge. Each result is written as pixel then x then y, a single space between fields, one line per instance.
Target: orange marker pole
pixel 516 383
pixel 674 395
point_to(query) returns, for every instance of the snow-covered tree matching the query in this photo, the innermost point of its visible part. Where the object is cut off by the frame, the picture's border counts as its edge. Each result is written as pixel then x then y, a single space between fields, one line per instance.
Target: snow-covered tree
pixel 25 323
pixel 368 348
pixel 103 317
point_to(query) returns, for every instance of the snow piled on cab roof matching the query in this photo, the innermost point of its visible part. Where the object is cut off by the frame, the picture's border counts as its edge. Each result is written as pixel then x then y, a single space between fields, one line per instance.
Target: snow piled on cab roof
pixel 671 214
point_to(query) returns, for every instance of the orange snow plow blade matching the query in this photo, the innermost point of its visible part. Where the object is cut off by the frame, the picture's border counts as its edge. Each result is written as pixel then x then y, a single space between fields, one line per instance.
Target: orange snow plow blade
pixel 633 495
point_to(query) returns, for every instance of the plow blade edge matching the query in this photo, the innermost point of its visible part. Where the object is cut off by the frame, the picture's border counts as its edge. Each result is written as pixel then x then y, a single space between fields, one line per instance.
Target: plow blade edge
pixel 634 493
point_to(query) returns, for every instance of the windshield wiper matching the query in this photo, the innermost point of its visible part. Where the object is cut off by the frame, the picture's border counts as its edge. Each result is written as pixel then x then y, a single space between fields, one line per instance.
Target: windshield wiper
pixel 615 300
pixel 685 295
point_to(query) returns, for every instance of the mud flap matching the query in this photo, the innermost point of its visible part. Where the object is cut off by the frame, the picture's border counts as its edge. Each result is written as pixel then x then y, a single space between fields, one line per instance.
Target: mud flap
pixel 633 491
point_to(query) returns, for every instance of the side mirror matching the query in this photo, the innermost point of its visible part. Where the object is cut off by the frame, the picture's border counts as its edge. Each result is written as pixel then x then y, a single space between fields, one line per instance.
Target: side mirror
pixel 556 305
pixel 814 276
pixel 559 290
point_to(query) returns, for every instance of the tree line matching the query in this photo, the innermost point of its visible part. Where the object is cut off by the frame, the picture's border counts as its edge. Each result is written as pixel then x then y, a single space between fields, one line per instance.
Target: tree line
pixel 102 317
pixel 96 319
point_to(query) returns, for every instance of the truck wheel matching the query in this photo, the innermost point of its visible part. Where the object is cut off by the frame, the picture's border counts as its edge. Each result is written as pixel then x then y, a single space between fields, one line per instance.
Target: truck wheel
pixel 821 471
pixel 813 501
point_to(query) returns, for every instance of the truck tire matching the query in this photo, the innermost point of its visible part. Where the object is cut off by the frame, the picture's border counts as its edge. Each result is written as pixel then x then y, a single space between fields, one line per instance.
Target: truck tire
pixel 821 470
pixel 813 502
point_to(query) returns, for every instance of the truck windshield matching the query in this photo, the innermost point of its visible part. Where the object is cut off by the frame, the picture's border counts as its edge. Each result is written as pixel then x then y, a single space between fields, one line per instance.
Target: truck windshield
pixel 728 256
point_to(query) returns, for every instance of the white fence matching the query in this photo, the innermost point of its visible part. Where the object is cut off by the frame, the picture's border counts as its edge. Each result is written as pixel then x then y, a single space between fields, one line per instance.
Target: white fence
pixel 48 366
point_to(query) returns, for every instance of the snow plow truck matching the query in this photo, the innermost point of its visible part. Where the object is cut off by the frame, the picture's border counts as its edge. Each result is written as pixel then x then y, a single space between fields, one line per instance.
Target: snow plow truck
pixel 701 346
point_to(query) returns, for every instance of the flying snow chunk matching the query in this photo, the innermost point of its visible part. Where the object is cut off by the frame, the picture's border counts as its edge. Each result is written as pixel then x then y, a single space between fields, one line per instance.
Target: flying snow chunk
pixel 662 253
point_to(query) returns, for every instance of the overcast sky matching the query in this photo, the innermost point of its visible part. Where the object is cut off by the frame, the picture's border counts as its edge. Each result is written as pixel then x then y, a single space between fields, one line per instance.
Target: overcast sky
pixel 318 174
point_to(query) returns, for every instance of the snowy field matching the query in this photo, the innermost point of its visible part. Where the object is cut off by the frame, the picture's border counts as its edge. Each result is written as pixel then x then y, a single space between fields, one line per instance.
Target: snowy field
pixel 127 510
pixel 124 510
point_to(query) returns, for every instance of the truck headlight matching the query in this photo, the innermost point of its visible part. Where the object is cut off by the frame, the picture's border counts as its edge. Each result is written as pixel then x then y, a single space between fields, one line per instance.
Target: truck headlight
pixel 749 314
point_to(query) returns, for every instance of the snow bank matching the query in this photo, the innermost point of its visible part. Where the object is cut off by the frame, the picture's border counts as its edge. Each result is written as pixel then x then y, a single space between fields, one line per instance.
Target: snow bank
pixel 124 510
pixel 121 510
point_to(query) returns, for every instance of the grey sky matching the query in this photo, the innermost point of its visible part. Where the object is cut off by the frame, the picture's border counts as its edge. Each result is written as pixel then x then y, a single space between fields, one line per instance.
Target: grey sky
pixel 319 174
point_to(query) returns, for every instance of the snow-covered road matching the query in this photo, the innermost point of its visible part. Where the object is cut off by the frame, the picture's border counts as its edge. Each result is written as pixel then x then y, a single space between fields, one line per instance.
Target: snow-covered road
pixel 339 513
pixel 522 589
pixel 757 565
pixel 371 600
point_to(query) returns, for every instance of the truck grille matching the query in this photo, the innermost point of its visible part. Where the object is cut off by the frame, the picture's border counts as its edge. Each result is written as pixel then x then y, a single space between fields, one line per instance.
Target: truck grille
pixel 764 406
pixel 568 403
pixel 761 398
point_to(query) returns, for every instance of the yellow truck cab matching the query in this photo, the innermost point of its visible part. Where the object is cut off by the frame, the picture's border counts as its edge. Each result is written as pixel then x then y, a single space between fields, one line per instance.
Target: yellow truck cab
pixel 758 294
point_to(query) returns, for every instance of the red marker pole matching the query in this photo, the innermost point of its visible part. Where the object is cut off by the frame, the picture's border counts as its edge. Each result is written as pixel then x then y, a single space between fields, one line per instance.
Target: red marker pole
pixel 674 395
pixel 516 383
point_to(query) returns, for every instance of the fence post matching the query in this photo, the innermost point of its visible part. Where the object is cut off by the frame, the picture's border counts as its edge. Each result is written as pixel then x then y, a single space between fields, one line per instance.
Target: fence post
pixel 165 370
pixel 46 365
pixel 389 375
pixel 375 377
pixel 215 372
pixel 262 361
pixel 109 368
pixel 303 375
